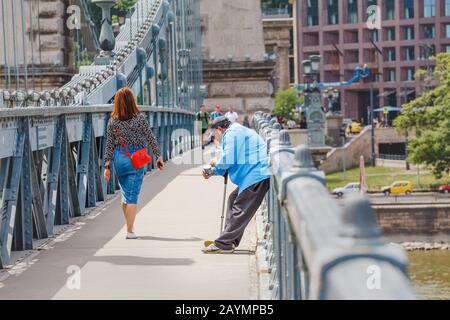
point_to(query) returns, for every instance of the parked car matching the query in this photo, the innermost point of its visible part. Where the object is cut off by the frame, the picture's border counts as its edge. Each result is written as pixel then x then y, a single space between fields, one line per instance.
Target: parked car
pixel 355 127
pixel 348 189
pixel 445 188
pixel 398 187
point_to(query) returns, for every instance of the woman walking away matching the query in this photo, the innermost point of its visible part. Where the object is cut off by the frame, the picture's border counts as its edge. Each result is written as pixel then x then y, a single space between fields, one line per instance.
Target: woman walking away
pixel 128 132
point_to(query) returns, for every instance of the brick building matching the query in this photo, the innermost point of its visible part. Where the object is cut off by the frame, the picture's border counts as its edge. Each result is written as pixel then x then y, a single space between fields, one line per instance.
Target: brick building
pixel 411 31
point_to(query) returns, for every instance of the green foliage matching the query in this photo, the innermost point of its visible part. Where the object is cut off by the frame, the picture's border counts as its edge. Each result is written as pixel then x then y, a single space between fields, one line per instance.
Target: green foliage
pixel 124 5
pixel 429 117
pixel 96 15
pixel 329 141
pixel 377 177
pixel 121 6
pixel 82 57
pixel 285 103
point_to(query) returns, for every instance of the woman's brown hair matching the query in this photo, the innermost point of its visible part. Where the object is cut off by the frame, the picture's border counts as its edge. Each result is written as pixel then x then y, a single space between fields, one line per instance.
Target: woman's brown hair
pixel 124 105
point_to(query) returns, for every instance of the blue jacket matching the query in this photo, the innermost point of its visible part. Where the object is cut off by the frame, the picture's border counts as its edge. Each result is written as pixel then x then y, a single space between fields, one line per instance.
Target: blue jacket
pixel 244 156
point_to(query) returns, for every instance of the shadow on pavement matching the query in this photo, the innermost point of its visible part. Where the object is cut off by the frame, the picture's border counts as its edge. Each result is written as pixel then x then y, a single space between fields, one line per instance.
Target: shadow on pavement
pixel 44 277
pixel 150 238
pixel 143 261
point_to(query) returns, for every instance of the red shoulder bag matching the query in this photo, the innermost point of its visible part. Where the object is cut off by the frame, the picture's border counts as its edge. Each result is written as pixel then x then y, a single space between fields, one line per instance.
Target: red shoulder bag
pixel 138 159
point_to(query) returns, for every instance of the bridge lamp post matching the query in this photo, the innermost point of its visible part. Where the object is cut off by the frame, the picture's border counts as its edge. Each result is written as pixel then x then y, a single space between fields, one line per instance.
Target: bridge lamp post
pixel 315 117
pixel 106 39
pixel 183 58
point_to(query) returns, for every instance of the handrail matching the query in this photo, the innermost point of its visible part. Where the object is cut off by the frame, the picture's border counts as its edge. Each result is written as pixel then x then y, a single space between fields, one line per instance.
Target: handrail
pixel 317 249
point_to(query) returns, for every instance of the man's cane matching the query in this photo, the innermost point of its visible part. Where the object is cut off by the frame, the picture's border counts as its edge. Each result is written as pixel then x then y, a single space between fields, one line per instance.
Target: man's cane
pixel 225 182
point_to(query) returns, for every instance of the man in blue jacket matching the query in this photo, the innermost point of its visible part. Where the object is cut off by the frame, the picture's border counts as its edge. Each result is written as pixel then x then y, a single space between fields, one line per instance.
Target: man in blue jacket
pixel 244 157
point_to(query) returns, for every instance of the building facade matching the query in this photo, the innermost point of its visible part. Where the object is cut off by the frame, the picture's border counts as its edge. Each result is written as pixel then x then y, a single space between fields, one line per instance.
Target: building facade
pixel 279 40
pixel 411 32
pixel 236 68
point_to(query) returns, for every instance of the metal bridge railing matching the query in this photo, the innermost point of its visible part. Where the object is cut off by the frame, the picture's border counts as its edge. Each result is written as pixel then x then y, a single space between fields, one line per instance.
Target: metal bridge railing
pixel 315 248
pixel 397 157
pixel 52 161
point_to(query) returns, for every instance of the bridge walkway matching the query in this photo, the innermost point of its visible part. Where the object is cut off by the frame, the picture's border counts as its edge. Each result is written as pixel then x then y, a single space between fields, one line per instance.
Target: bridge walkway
pixel 177 210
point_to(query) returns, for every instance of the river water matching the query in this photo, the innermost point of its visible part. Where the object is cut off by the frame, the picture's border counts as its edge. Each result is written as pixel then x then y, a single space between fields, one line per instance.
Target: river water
pixel 430 273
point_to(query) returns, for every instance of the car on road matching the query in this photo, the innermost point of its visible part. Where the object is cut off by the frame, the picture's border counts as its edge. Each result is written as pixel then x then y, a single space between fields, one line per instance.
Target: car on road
pixel 445 188
pixel 355 127
pixel 348 189
pixel 398 187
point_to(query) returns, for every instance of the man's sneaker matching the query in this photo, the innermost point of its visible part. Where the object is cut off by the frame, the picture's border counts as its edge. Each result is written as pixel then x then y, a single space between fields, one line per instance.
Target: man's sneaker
pixel 132 236
pixel 207 243
pixel 212 249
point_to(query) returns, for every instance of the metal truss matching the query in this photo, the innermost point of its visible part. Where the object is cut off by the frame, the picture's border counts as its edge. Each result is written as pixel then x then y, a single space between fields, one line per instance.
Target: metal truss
pixel 52 143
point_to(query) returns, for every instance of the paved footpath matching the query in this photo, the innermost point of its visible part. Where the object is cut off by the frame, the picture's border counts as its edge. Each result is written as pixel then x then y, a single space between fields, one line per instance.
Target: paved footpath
pixel 177 210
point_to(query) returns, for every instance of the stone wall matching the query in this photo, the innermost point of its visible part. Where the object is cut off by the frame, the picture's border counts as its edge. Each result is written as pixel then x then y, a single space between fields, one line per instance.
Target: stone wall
pixel 277 39
pixel 298 136
pixel 426 219
pixel 352 152
pixel 235 67
pixel 360 145
pixel 232 27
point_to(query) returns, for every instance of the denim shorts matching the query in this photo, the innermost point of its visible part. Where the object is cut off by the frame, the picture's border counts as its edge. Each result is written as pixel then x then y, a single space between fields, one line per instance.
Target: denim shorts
pixel 130 179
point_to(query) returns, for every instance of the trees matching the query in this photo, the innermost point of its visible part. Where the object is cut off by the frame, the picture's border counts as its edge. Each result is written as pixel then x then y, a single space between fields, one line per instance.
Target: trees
pixel 429 117
pixel 121 8
pixel 285 103
pixel 124 5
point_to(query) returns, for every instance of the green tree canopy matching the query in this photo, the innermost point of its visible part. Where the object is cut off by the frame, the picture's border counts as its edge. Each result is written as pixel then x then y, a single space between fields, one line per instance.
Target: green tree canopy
pixel 124 5
pixel 96 13
pixel 285 103
pixel 429 117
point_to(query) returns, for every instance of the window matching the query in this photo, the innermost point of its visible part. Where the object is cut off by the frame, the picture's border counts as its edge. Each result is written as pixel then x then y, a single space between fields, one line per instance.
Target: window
pixel 390 54
pixel 409 33
pixel 374 35
pixel 447 8
pixel 410 74
pixel 352 11
pixel 427 51
pixel 409 53
pixel 333 11
pixel 312 12
pixel 447 48
pixel 392 97
pixel 429 8
pixel 391 75
pixel 447 30
pixel 390 9
pixel 273 7
pixel 390 34
pixel 429 31
pixel 408 9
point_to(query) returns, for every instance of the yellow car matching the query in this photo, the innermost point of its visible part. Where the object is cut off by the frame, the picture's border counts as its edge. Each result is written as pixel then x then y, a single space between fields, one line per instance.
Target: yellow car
pixel 355 127
pixel 398 187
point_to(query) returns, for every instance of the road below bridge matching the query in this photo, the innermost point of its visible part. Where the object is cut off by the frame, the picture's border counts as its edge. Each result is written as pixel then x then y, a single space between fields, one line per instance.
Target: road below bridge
pixel 177 210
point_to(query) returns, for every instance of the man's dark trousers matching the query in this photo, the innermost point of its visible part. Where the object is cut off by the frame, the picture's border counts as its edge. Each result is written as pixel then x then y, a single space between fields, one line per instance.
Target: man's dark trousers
pixel 241 209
